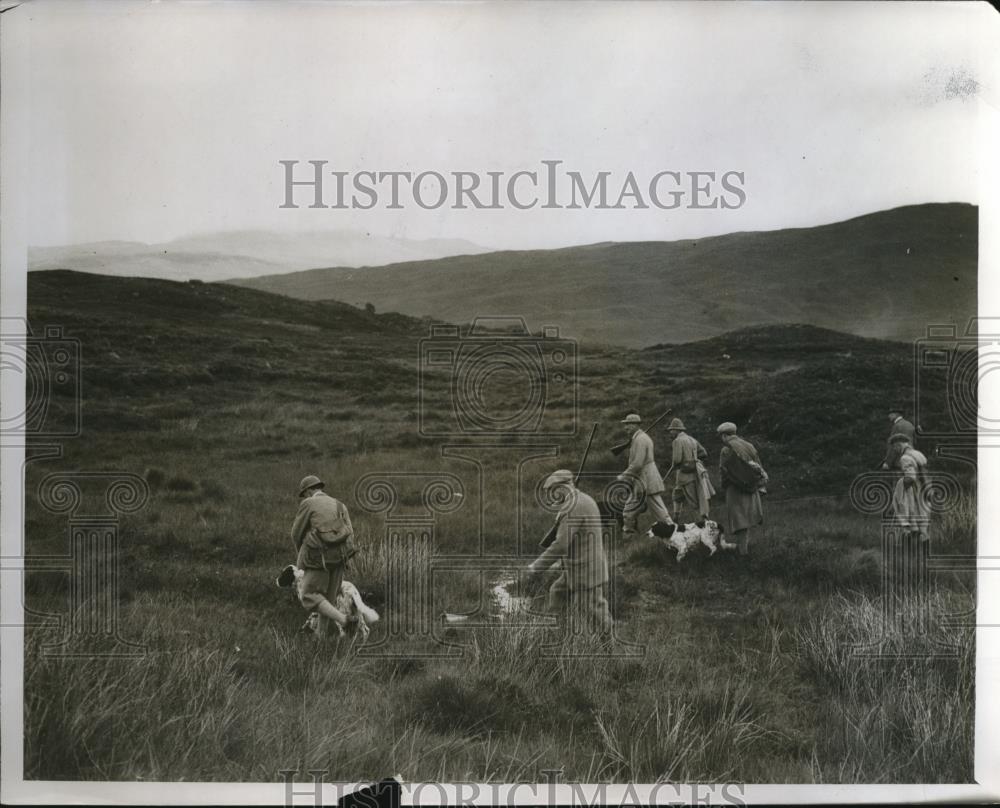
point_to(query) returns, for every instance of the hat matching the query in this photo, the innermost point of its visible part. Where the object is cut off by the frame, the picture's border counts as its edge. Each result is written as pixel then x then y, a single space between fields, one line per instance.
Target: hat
pixel 899 437
pixel 631 418
pixel 726 428
pixel 677 424
pixel 558 477
pixel 894 408
pixel 309 481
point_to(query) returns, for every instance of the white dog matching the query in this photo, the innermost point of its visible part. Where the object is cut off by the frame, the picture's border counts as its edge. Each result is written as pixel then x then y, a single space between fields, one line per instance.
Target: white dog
pixel 687 537
pixel 348 601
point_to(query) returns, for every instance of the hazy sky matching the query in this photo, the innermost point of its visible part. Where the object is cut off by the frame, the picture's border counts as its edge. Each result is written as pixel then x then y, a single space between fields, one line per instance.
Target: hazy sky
pixel 155 121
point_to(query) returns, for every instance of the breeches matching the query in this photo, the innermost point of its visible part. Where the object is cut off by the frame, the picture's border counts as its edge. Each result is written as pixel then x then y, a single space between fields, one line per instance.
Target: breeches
pixel 319 586
pixel 635 505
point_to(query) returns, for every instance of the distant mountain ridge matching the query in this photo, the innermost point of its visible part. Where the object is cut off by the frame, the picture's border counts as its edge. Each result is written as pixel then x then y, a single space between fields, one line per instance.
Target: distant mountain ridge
pixel 241 254
pixel 888 274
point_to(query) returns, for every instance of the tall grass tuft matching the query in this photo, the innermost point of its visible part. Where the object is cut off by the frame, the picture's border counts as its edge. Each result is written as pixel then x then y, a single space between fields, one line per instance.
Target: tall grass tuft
pixel 678 740
pixel 111 718
pixel 902 700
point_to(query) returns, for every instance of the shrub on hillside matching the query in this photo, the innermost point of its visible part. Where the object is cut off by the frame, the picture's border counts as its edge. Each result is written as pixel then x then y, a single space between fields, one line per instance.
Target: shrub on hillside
pixel 154 477
pixel 232 370
pixel 180 483
pixel 213 489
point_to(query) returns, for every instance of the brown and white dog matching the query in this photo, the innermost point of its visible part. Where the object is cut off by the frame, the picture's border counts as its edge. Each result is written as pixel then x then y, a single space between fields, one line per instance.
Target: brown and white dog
pixel 359 614
pixel 685 538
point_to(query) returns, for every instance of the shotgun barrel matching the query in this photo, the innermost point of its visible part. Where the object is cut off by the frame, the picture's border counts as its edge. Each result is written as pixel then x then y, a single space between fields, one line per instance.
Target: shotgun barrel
pixel 621 447
pixel 550 537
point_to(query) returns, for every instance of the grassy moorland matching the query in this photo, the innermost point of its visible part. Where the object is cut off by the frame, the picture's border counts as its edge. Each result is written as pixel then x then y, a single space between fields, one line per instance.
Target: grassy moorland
pixel 223 397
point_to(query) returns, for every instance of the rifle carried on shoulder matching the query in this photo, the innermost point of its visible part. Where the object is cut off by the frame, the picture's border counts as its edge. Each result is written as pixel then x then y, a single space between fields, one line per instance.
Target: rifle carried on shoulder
pixel 621 447
pixel 554 530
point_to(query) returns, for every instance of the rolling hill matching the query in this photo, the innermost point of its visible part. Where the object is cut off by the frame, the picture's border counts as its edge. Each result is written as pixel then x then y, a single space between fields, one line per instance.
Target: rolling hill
pixel 887 275
pixel 155 351
pixel 240 254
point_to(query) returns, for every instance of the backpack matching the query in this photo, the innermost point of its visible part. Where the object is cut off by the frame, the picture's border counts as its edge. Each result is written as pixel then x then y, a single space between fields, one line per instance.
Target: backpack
pixel 746 475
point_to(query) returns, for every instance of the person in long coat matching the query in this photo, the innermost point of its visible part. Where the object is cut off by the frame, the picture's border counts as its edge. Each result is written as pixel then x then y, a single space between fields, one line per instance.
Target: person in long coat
pixel 744 509
pixel 909 503
pixel 580 591
pixel 644 477
pixel 323 538
pixel 692 484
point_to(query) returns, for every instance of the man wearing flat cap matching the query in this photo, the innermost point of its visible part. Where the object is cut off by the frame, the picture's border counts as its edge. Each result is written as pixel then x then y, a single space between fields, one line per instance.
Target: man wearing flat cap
pixel 744 480
pixel 324 540
pixel 898 425
pixel 644 477
pixel 692 483
pixel 580 591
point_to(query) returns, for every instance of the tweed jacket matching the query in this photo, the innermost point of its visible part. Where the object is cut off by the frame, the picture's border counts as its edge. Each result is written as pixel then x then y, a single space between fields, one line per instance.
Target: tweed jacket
pixel 686 454
pixel 642 464
pixel 579 545
pixel 322 532
pixel 899 427
pixel 743 508
pixel 746 451
pixel 903 427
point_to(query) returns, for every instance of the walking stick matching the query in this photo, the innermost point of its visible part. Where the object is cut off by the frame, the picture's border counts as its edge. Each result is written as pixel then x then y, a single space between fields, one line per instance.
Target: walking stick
pixel 667 475
pixel 554 530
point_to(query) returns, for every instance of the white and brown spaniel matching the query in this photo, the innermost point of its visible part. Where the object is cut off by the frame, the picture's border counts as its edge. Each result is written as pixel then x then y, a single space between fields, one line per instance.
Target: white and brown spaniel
pixel 684 538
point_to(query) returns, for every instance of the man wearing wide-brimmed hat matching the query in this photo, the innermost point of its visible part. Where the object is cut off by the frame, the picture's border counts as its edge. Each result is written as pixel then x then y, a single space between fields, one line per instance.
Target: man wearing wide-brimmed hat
pixel 744 480
pixel 644 476
pixel 692 484
pixel 324 540
pixel 579 594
